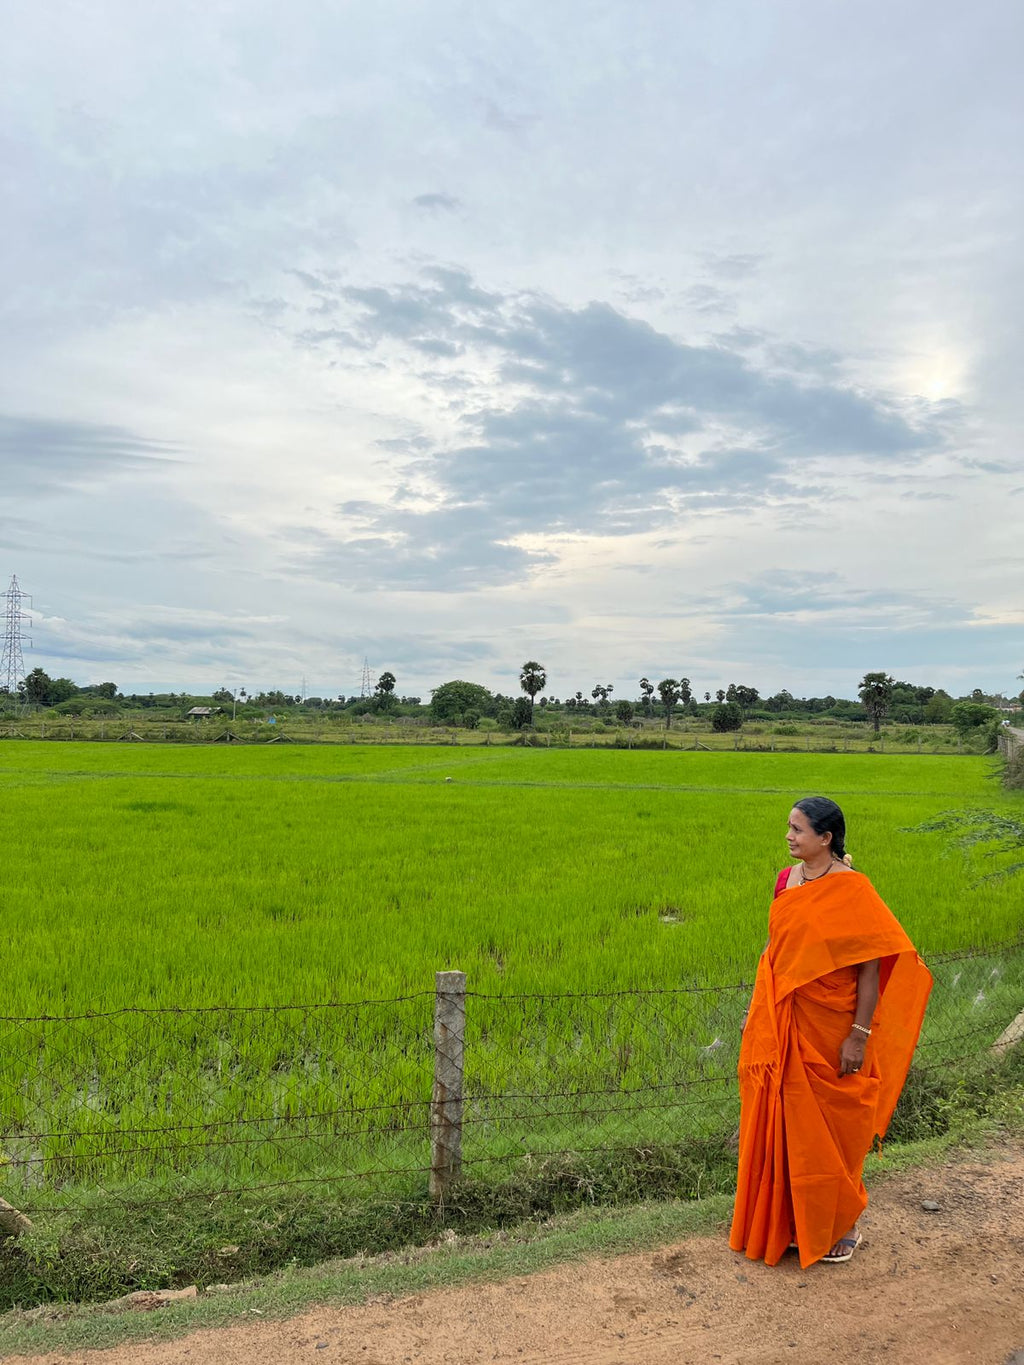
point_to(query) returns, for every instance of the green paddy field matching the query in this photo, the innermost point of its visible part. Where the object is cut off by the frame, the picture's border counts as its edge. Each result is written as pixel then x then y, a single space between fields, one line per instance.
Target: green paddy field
pixel 137 875
pixel 220 961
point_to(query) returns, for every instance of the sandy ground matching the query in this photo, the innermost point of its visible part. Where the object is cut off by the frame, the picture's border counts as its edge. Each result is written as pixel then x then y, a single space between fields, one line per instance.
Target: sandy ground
pixel 924 1287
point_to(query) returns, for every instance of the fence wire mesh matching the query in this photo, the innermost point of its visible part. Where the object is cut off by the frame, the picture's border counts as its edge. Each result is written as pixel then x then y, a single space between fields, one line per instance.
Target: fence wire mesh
pixel 151 1106
pixel 159 1104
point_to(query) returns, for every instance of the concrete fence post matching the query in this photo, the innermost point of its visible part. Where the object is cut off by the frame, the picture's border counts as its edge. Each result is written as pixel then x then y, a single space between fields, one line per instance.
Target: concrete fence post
pixel 446 1102
pixel 1010 1036
pixel 12 1222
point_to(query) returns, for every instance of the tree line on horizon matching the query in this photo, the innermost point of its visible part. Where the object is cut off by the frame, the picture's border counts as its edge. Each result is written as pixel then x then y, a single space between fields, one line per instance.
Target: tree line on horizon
pixel 459 702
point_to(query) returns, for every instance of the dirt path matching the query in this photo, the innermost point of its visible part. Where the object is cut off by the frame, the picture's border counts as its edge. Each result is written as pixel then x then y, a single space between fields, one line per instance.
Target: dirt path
pixel 925 1287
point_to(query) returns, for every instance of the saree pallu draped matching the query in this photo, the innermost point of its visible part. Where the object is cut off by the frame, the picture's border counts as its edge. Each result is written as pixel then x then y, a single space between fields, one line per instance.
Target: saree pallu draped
pixel 804 1130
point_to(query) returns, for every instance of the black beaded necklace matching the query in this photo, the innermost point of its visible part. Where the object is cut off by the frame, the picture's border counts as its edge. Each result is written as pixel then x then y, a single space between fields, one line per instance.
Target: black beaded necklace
pixel 804 877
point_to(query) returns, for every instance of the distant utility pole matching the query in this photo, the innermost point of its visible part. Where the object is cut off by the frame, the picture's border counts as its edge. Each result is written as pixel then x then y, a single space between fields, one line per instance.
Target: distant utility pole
pixel 12 668
pixel 366 686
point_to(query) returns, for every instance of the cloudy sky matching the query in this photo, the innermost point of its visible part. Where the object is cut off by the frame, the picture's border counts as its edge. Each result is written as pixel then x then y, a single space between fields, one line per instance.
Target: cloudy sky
pixel 652 338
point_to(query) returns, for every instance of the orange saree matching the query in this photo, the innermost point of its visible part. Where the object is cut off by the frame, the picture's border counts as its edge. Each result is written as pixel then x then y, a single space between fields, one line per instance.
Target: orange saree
pixel 804 1130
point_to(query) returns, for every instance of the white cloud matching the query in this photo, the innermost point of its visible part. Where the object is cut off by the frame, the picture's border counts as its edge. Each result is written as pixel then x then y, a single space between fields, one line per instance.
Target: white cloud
pixel 458 337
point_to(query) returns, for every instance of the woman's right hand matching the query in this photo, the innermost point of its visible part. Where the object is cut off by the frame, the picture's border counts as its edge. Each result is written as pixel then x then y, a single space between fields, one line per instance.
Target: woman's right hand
pixel 851 1054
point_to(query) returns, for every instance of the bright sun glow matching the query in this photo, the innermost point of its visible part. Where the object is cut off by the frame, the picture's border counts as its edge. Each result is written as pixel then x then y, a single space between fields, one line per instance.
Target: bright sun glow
pixel 935 372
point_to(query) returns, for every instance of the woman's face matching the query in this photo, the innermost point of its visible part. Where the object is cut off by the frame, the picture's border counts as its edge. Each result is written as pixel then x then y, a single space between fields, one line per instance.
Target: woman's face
pixel 801 838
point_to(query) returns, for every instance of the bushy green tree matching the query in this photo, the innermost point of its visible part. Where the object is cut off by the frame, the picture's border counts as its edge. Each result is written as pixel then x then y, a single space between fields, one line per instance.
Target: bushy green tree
pixel 384 692
pixel 966 716
pixel 938 707
pixel 36 687
pixel 522 713
pixel 450 701
pixel 39 689
pixel 782 701
pixel 726 716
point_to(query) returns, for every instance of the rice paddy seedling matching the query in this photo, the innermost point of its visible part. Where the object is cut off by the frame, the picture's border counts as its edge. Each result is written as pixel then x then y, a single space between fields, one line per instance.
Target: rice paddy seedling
pixel 286 908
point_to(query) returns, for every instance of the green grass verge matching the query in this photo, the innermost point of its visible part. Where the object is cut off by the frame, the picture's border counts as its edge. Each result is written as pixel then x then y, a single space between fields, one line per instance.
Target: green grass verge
pixel 459 1258
pixel 106 1248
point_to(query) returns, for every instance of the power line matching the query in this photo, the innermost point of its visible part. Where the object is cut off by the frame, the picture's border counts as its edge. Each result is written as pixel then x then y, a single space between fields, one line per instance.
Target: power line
pixel 12 667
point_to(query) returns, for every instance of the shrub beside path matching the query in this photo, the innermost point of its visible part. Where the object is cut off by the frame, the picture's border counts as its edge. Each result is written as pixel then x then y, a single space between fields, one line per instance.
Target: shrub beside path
pixel 925 1288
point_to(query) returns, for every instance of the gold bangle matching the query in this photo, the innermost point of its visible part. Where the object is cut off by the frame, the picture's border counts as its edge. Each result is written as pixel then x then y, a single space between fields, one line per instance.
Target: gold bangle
pixel 861 1029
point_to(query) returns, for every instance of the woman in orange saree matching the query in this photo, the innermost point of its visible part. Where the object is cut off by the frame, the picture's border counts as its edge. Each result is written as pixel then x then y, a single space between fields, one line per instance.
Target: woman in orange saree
pixel 837 1008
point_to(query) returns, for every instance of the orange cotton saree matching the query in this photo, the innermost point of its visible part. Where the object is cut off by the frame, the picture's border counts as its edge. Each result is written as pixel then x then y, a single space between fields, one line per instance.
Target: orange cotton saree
pixel 804 1130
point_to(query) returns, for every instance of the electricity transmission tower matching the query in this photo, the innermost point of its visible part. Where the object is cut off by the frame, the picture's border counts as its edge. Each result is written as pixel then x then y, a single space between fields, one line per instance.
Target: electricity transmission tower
pixel 12 668
pixel 366 686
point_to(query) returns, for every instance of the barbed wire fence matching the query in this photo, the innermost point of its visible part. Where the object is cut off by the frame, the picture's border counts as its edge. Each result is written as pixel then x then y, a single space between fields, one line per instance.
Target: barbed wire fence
pixel 420 1098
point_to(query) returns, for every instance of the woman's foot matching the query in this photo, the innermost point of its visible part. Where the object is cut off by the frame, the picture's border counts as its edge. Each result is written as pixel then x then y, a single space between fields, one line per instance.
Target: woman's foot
pixel 843 1249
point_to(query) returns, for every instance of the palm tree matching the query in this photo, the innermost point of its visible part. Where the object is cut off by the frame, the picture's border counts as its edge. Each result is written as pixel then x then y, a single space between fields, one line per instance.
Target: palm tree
pixel 875 692
pixel 602 693
pixel 670 692
pixel 532 679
